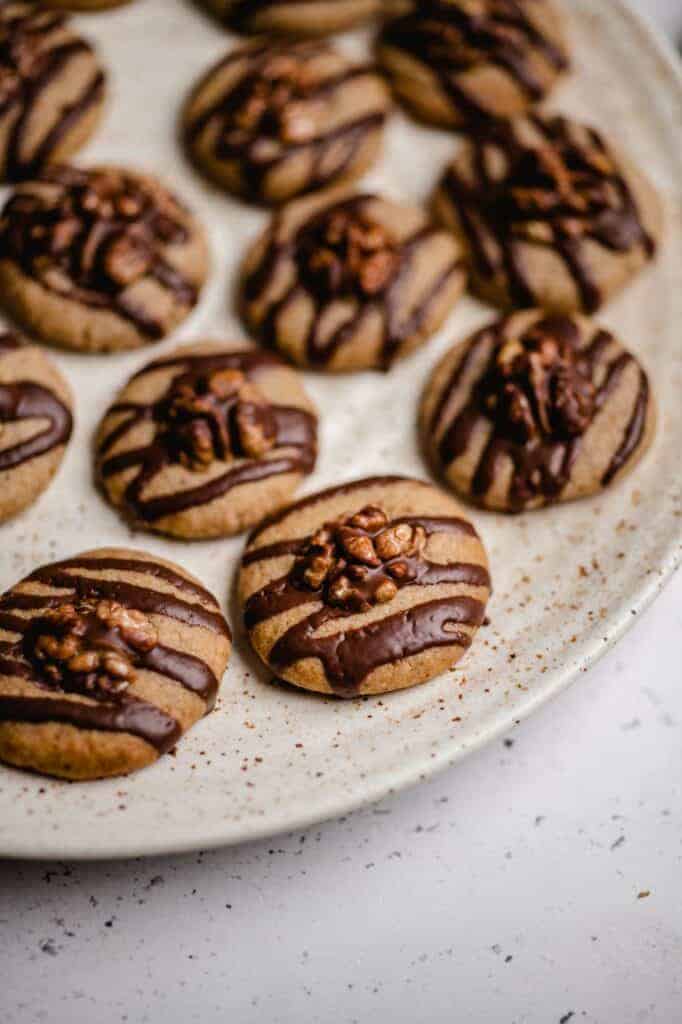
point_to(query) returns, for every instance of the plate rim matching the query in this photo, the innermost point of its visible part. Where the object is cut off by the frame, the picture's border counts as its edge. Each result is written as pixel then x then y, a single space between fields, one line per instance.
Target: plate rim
pixel 417 768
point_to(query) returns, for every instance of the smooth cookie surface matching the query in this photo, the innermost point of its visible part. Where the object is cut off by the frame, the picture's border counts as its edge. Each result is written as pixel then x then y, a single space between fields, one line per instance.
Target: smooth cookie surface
pixel 550 215
pixel 105 660
pixel 368 587
pixel 35 423
pixel 293 17
pixel 206 441
pixel 99 260
pixel 462 63
pixel 52 90
pixel 344 281
pixel 536 409
pixel 273 120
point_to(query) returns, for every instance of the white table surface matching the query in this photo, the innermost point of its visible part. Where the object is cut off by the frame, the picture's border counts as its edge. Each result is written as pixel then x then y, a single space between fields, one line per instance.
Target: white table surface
pixel 539 882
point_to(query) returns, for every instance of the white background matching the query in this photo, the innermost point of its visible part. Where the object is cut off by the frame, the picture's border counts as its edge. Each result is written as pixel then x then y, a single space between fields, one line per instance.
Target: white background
pixel 539 881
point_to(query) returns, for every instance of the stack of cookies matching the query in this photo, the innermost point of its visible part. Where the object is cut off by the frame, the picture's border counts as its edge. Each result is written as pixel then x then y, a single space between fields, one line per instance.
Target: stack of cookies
pixel 377 584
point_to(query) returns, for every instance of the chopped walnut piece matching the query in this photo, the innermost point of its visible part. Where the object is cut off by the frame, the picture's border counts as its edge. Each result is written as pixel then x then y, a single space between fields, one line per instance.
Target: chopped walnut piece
pixel 360 560
pixel 347 251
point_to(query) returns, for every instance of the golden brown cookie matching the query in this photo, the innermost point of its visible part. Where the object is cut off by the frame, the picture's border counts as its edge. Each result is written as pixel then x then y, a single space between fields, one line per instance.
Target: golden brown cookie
pixel 35 423
pixel 550 215
pixel 293 17
pixel 344 281
pixel 51 90
pixel 536 409
pixel 99 260
pixel 206 441
pixel 368 587
pixel 461 63
pixel 275 119
pixel 106 659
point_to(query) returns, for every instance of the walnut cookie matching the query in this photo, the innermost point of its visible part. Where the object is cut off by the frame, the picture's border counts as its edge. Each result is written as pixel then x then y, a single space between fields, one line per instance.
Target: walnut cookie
pixel 272 120
pixel 52 89
pixel 293 17
pixel 365 588
pixel 462 63
pixel 536 409
pixel 106 659
pixel 206 441
pixel 550 215
pixel 345 281
pixel 99 260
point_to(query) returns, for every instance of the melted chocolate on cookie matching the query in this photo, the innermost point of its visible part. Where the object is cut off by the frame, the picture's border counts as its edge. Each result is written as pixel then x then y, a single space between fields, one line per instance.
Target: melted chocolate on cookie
pixel 27 400
pixel 342 252
pixel 453 38
pixel 90 637
pixel 210 412
pixel 351 565
pixel 262 119
pixel 90 236
pixel 561 193
pixel 538 392
pixel 31 63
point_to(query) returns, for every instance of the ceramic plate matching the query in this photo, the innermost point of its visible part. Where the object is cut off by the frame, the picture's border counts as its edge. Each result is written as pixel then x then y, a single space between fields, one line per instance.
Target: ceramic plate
pixel 568 581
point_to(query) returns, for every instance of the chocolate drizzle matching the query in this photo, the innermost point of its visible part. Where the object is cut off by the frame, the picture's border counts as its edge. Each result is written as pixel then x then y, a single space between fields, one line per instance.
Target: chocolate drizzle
pixel 77 587
pixel 27 400
pixel 536 410
pixel 233 425
pixel 37 53
pixel 351 654
pixel 324 250
pixel 562 190
pixel 266 116
pixel 94 237
pixel 455 38
pixel 243 15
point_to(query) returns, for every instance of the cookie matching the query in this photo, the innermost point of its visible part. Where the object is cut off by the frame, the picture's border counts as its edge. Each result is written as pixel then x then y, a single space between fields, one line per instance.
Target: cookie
pixel 275 119
pixel 106 659
pixel 99 260
pixel 345 281
pixel 35 423
pixel 536 409
pixel 206 441
pixel 550 215
pixel 52 87
pixel 368 587
pixel 293 17
pixel 461 63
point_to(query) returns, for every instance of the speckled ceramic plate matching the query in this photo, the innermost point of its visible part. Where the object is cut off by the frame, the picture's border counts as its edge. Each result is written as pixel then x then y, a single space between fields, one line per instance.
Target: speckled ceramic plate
pixel 568 582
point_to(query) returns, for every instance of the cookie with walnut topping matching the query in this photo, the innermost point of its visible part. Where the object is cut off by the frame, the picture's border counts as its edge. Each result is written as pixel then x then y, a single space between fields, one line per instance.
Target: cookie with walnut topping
pixel 349 281
pixel 35 423
pixel 550 215
pixel 99 260
pixel 272 120
pixel 206 441
pixel 52 90
pixel 106 659
pixel 372 586
pixel 293 17
pixel 536 409
pixel 464 63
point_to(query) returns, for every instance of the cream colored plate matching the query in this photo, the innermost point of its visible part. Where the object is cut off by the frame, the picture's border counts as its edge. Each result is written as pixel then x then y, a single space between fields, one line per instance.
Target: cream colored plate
pixel 568 582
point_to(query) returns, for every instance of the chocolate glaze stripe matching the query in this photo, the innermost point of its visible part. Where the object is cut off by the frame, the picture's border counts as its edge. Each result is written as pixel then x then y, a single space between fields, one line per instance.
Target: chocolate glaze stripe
pixel 137 717
pixel 154 569
pixel 250 360
pixel 9 343
pixel 349 657
pixel 633 433
pixel 26 400
pixel 313 499
pixel 150 602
